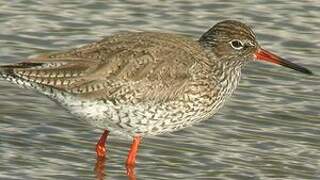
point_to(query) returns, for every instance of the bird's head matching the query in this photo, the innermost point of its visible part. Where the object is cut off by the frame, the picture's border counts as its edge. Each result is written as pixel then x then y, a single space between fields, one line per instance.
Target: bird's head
pixel 235 41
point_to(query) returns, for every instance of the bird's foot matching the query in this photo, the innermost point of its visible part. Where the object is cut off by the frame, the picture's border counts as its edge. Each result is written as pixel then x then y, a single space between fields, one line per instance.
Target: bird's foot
pixel 131 160
pixel 101 145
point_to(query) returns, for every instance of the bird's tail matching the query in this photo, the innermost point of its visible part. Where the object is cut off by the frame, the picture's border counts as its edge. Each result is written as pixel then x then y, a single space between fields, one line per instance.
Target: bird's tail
pixel 9 70
pixel 5 71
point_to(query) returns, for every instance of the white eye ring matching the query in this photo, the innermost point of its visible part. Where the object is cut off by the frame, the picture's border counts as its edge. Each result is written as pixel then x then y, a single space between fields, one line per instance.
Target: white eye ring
pixel 236 44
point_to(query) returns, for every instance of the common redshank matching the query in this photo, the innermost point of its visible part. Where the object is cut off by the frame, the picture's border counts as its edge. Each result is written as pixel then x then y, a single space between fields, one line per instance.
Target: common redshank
pixel 145 83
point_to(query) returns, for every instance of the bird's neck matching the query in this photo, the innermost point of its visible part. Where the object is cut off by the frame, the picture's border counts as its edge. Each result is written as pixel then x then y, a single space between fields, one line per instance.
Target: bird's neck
pixel 224 68
pixel 225 72
pixel 228 73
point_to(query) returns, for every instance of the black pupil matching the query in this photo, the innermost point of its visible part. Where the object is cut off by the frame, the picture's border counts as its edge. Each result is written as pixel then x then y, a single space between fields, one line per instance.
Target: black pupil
pixel 236 44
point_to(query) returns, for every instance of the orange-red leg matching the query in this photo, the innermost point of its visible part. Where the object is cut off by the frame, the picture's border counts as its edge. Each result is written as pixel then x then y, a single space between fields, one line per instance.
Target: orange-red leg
pixel 101 145
pixel 131 160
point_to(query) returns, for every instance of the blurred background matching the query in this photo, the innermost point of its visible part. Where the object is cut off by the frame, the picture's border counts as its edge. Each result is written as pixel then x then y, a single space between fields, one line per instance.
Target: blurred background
pixel 270 129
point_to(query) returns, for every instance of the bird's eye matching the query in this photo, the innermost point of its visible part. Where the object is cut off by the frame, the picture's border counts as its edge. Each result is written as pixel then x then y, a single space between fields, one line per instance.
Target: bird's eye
pixel 236 44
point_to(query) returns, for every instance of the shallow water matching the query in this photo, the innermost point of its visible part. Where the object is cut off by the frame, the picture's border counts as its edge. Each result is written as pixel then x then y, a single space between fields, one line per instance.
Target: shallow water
pixel 269 129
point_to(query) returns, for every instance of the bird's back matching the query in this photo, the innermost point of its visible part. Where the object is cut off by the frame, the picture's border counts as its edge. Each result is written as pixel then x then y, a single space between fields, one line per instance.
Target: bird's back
pixel 126 58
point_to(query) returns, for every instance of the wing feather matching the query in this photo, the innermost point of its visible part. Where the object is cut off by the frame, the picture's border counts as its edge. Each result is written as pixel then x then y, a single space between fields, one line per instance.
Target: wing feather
pixel 140 66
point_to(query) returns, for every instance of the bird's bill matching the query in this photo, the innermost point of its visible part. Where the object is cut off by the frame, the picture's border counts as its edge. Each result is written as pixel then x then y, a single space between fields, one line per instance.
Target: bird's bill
pixel 264 55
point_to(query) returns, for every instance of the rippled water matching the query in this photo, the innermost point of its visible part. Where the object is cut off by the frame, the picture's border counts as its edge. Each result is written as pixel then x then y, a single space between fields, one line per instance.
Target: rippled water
pixel 270 128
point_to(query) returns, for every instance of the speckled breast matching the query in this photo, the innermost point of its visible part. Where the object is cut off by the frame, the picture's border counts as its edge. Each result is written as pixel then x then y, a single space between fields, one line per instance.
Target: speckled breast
pixel 146 118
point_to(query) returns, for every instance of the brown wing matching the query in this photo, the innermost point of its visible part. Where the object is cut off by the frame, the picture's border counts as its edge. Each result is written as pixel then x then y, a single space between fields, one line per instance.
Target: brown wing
pixel 129 66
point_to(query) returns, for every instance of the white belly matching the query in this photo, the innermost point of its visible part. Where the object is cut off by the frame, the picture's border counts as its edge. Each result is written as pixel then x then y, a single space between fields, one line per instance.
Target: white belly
pixel 142 118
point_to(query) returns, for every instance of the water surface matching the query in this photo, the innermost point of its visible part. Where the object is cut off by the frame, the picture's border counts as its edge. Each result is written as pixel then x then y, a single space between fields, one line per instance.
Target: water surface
pixel 269 129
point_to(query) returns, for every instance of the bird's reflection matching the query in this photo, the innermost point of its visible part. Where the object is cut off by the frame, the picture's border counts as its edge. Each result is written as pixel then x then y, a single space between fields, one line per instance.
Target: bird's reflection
pixel 100 169
pixel 131 173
